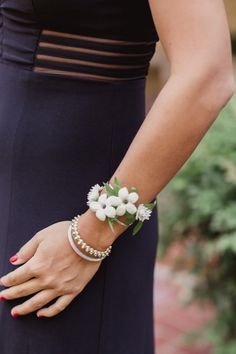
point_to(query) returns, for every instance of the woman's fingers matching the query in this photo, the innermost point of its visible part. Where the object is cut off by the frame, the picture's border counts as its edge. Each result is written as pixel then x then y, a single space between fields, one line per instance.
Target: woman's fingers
pixel 60 304
pixel 26 251
pixel 19 275
pixel 34 303
pixel 30 287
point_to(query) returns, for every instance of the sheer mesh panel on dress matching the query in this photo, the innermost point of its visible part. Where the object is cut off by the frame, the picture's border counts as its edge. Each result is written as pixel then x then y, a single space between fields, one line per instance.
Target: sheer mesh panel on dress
pixel 92 58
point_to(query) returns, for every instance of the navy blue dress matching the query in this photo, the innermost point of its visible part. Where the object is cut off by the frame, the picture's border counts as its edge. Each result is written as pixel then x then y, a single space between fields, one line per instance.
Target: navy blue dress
pixel 72 98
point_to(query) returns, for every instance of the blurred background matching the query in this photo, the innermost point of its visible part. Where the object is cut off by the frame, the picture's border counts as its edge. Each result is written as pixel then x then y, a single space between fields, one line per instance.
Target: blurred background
pixel 195 288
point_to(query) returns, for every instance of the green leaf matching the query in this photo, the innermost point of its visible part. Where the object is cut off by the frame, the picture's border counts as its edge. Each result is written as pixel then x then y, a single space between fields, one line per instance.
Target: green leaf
pixel 117 183
pixel 116 189
pixel 227 242
pixel 120 222
pixel 137 227
pixel 111 225
pixel 109 190
pixel 129 216
pixel 150 205
pixel 133 189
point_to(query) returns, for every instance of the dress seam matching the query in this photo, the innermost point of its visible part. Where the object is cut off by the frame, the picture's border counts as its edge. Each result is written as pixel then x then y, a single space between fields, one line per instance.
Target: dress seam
pixel 36 48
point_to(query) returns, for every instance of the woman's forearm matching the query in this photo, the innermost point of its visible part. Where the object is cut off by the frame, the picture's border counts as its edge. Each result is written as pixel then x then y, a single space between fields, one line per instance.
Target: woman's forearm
pixel 181 114
pixel 172 129
pixel 198 48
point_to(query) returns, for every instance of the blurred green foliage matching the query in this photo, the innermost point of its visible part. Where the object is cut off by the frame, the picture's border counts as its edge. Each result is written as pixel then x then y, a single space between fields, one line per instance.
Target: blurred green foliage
pixel 198 210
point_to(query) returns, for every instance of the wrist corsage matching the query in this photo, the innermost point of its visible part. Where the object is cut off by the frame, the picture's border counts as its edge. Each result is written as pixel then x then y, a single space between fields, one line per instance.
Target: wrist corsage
pixel 117 201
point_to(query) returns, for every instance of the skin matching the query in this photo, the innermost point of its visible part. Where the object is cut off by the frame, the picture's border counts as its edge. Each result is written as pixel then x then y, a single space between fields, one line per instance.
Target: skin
pixel 196 39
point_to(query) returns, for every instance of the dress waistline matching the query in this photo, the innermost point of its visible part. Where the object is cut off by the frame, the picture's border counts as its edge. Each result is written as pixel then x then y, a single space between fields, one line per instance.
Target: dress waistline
pixel 75 55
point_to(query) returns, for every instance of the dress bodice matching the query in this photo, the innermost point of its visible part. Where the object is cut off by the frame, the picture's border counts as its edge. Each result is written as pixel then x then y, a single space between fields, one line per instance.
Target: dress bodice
pixel 117 19
pixel 100 39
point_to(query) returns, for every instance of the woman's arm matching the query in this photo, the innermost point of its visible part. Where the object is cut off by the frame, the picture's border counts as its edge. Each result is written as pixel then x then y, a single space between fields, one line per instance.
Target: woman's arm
pixel 196 39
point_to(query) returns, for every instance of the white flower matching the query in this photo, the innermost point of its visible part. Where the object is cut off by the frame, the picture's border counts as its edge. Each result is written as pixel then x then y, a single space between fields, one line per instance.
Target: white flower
pixel 133 197
pixel 101 208
pixel 114 200
pixel 120 210
pixel 131 208
pixel 143 213
pixel 100 215
pixel 93 194
pixel 110 211
pixel 100 203
pixel 127 202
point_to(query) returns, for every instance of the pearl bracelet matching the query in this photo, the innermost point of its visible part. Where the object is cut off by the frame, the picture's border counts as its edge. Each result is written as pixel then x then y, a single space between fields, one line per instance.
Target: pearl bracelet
pixel 75 248
pixel 96 253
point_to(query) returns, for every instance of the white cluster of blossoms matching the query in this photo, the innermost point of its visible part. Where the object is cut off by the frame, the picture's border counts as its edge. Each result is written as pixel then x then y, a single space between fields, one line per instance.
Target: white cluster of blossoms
pixel 117 201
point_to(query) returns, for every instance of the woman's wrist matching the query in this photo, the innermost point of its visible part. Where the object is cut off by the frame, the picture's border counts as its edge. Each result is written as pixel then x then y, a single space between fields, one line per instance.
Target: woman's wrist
pixel 111 214
pixel 97 233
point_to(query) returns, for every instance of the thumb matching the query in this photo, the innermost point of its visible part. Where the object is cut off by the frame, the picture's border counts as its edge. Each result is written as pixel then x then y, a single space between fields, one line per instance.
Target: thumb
pixel 26 252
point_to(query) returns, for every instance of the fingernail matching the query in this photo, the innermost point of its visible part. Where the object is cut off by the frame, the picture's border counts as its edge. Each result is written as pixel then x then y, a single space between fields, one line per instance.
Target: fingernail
pixel 2 297
pixel 14 314
pixel 13 258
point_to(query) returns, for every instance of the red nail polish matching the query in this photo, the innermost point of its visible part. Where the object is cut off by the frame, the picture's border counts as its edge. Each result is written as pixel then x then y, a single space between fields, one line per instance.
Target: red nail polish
pixel 14 314
pixel 2 297
pixel 13 258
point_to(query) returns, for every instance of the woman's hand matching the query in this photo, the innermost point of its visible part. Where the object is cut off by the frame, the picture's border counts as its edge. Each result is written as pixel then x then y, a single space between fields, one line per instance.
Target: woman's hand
pixel 51 269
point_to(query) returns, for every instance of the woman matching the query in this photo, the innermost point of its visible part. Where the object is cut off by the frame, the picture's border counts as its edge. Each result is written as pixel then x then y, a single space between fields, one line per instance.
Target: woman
pixel 72 115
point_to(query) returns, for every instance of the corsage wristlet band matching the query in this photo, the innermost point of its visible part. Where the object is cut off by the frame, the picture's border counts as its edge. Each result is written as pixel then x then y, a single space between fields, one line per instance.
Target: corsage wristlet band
pixel 117 201
pixel 108 206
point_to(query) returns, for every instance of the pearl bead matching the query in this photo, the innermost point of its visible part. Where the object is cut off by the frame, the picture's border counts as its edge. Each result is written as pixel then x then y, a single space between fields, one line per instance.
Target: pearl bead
pixel 96 253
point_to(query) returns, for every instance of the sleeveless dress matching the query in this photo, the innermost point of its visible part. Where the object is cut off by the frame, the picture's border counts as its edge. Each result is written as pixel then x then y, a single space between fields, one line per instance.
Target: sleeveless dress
pixel 72 98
